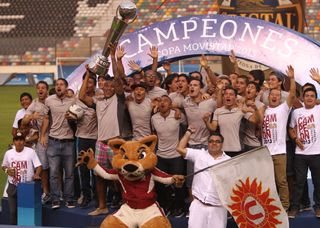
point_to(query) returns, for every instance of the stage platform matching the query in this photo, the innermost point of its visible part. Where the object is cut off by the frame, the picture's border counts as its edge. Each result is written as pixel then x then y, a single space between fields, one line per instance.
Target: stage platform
pixel 76 217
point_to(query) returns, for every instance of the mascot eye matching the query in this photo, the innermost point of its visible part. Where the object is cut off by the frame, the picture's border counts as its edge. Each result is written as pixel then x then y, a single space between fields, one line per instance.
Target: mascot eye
pixel 142 155
pixel 125 157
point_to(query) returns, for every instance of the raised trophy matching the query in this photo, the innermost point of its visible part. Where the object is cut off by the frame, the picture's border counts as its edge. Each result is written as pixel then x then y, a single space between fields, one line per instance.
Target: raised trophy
pixel 126 14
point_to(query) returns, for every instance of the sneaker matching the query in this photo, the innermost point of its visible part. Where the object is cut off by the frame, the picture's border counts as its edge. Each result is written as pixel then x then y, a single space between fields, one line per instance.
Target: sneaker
pixel 115 203
pixel 99 211
pixel 85 202
pixel 167 212
pixel 292 213
pixel 45 198
pixel 305 208
pixel 187 214
pixel 70 204
pixel 318 213
pixel 178 213
pixel 80 199
pixel 55 205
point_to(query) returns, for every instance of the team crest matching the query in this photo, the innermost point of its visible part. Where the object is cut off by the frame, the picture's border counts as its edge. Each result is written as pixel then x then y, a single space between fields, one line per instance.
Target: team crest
pixel 251 207
pixel 282 12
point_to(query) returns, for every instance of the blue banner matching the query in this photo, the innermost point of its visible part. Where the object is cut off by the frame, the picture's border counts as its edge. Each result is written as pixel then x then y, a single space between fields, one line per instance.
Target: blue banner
pixel 252 39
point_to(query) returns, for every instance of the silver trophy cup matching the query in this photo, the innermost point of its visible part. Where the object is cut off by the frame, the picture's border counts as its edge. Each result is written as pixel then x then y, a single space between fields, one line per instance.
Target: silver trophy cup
pixel 126 14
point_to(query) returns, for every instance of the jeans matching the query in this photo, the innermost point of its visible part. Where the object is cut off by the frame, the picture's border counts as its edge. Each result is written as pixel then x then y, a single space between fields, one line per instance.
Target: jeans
pixel 85 144
pixel 301 165
pixel 60 155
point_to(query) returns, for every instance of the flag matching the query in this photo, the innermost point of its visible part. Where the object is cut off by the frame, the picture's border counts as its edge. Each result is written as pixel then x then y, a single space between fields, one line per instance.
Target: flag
pixel 246 187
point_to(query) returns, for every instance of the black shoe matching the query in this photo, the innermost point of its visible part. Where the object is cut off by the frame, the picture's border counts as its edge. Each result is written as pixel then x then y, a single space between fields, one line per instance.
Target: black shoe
pixel 167 212
pixel 55 205
pixel 115 202
pixel 85 202
pixel 178 213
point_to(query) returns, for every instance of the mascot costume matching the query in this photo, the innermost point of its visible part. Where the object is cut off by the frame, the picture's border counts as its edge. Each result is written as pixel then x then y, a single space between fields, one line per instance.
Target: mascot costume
pixel 134 166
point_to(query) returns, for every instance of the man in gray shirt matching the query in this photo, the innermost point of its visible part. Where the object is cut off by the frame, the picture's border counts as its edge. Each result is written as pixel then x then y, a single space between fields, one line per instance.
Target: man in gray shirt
pixel 60 143
pixel 153 91
pixel 166 126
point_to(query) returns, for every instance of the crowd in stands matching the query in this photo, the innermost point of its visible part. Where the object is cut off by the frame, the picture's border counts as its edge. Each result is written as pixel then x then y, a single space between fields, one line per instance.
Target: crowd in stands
pixel 247 110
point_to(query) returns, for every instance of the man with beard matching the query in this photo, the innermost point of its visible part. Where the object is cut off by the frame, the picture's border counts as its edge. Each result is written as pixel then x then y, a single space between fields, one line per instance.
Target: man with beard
pixel 274 131
pixel 110 109
pixel 228 119
pixel 166 127
pixel 35 115
pixel 60 143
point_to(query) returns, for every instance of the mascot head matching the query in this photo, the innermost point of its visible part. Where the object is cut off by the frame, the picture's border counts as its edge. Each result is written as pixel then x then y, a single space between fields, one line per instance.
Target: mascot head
pixel 134 158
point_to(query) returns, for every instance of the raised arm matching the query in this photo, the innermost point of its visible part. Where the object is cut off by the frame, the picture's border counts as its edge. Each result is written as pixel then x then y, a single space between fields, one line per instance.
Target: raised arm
pixel 233 60
pixel 204 64
pixel 182 146
pixel 119 56
pixel 83 90
pixel 315 75
pixel 292 91
pixel 154 55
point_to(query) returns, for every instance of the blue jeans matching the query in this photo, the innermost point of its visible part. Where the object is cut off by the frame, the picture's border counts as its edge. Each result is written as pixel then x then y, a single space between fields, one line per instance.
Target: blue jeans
pixel 60 155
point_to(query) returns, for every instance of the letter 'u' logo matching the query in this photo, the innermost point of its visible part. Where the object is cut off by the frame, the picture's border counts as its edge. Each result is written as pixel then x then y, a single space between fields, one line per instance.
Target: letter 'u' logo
pixel 251 207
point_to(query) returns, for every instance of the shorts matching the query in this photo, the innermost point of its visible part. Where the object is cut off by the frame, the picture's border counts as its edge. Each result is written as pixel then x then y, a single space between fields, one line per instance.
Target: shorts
pixel 42 154
pixel 137 217
pixel 104 155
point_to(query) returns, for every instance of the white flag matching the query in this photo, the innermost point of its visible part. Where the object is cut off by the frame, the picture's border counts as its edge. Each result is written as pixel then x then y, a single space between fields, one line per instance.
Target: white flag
pixel 246 187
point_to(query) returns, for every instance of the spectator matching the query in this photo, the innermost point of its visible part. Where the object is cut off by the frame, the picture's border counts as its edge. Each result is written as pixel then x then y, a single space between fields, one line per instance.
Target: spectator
pixel 13 161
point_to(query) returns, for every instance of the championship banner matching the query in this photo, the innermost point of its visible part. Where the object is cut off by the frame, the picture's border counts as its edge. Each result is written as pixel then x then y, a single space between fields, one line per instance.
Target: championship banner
pixel 247 189
pixel 252 39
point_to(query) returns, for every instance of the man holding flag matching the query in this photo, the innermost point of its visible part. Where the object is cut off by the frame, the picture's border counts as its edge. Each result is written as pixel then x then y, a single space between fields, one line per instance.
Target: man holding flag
pixel 206 208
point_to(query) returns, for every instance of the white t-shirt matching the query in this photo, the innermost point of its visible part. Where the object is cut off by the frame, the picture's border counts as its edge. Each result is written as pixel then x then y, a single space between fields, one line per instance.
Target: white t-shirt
pixel 307 122
pixel 274 128
pixel 24 162
pixel 19 115
pixel 203 186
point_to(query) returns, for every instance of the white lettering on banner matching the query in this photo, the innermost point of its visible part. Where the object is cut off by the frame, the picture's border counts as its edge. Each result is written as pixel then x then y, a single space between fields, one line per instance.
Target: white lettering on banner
pixel 186 30
pixel 227 31
pixel 159 33
pixel 248 28
pixel 207 27
pixel 271 40
pixel 288 43
pixel 146 42
pixel 235 27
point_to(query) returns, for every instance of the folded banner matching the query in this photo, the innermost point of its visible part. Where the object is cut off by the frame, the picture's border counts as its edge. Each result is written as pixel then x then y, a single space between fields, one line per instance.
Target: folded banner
pixel 246 187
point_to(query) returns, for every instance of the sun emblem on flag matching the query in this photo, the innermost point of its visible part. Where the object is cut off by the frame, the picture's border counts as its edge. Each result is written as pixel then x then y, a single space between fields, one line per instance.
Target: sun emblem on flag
pixel 253 208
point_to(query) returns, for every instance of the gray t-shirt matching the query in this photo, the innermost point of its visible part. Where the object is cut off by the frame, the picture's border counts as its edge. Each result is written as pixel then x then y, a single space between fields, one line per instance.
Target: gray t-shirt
pixel 60 128
pixel 168 133
pixel 108 125
pixel 39 107
pixel 156 92
pixel 140 115
pixel 87 126
pixel 248 130
pixel 229 124
pixel 177 99
pixel 194 113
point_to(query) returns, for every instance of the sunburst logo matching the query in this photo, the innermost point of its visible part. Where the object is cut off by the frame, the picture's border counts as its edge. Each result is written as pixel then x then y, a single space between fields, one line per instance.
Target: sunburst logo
pixel 253 208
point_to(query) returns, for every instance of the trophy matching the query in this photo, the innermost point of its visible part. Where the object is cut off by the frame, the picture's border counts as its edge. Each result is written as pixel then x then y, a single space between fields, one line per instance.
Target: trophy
pixel 126 14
